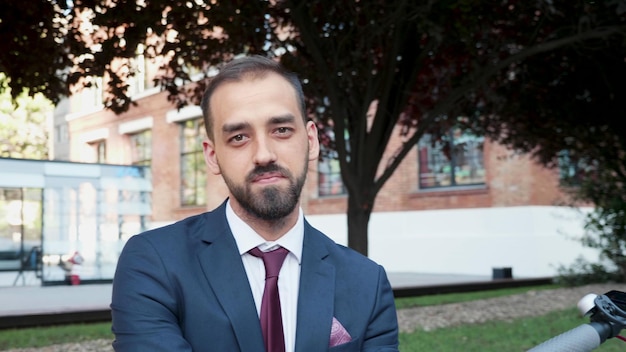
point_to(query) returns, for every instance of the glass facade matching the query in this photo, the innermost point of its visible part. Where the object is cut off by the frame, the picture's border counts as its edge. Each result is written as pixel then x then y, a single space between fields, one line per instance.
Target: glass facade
pixel 56 211
pixel 21 223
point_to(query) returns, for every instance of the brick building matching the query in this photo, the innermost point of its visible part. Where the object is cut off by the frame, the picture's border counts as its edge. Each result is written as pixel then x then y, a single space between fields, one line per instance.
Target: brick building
pixel 155 133
pixel 479 180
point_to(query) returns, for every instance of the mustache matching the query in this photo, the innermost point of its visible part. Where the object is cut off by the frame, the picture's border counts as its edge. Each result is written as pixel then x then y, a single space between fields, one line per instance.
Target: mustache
pixel 262 169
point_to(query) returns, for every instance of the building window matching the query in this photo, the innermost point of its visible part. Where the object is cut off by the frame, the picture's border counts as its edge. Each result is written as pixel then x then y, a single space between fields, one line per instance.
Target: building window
pixel 61 133
pixel 456 160
pixel 329 182
pixel 137 80
pixel 572 170
pixel 329 177
pixel 141 148
pixel 192 166
pixel 92 96
pixel 100 148
pixel 98 92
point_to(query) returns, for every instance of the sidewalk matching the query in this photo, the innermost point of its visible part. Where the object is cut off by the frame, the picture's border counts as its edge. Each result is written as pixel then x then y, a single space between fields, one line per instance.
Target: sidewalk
pixel 406 280
pixel 34 304
pixel 36 299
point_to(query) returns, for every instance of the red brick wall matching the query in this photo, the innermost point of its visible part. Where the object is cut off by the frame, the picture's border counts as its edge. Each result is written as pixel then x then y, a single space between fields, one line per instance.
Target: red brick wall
pixel 512 180
pixel 516 179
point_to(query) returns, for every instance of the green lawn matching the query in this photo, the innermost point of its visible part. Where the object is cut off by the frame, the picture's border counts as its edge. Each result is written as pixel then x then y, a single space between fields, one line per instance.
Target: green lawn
pixel 45 336
pixel 517 335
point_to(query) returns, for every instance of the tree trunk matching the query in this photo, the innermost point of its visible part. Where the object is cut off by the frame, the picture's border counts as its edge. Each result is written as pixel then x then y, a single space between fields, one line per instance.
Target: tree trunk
pixel 358 219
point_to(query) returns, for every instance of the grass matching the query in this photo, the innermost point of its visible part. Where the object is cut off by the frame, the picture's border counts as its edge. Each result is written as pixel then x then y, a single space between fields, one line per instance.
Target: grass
pixel 516 335
pixel 51 335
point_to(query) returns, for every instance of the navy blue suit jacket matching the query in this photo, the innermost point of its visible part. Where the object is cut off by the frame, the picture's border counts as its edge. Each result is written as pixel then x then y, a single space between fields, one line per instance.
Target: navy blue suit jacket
pixel 183 287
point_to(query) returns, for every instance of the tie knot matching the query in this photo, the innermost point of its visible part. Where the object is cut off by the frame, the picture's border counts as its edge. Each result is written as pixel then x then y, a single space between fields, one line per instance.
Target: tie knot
pixel 273 260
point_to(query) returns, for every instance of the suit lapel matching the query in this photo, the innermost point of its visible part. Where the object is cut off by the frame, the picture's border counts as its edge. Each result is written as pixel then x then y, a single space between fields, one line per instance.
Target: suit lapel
pixel 316 295
pixel 223 268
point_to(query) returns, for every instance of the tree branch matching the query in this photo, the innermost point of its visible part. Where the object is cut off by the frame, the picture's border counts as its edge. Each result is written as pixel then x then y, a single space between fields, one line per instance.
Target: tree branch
pixel 479 78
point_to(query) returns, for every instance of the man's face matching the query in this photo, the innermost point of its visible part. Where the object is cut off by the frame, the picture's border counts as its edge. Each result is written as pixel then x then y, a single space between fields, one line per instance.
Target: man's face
pixel 261 145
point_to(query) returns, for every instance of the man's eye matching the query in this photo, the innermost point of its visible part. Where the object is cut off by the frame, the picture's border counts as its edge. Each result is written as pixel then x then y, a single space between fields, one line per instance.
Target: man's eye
pixel 237 138
pixel 283 130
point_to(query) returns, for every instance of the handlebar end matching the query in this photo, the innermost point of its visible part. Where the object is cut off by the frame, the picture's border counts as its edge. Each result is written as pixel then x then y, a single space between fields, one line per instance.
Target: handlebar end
pixel 587 304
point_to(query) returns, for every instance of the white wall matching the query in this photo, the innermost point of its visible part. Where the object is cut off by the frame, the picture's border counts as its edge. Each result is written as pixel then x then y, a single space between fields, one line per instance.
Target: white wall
pixel 533 240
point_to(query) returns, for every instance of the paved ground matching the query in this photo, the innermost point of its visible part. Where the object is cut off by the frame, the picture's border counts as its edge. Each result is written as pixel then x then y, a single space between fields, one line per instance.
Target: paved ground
pixel 401 280
pixel 32 298
pixel 531 303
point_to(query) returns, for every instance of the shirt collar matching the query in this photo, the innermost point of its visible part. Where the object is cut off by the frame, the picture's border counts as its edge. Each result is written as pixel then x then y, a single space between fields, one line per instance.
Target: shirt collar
pixel 246 238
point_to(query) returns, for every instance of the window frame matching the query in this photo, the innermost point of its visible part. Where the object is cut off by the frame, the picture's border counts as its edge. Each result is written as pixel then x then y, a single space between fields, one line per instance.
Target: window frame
pixel 100 150
pixel 329 181
pixel 452 170
pixel 141 147
pixel 198 185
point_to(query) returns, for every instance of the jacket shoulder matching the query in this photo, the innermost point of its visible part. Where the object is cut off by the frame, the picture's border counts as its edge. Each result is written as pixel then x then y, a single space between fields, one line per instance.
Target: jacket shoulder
pixel 193 228
pixel 340 253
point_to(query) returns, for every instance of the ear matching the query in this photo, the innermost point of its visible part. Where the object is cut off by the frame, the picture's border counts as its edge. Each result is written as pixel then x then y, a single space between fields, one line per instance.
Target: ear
pixel 210 157
pixel 314 142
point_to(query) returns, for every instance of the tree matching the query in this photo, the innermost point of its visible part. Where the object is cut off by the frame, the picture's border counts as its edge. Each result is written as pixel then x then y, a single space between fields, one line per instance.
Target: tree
pixel 23 125
pixel 605 226
pixel 34 54
pixel 422 64
pixel 567 110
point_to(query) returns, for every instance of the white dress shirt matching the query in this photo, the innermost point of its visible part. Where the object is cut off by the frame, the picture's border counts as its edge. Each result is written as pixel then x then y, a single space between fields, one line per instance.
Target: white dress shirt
pixel 289 276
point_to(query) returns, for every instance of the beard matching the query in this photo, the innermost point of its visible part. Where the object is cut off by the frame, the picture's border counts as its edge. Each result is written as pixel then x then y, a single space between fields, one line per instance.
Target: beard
pixel 271 202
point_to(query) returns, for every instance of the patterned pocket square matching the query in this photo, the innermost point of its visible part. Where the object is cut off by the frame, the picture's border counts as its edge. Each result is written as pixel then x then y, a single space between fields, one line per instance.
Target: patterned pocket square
pixel 338 334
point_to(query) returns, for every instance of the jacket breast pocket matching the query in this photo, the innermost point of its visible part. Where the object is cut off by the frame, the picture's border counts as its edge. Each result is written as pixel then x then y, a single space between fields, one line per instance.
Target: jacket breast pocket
pixel 352 346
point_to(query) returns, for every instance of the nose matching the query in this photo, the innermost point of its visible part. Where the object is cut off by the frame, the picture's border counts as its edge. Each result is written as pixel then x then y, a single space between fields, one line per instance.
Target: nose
pixel 264 154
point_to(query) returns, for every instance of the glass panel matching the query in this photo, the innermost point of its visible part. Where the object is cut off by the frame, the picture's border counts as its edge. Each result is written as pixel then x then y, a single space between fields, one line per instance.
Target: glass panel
pixel 571 169
pixel 101 152
pixel 141 148
pixel 468 161
pixel 193 178
pixel 456 160
pixel 434 165
pixel 85 209
pixel 193 169
pixel 329 178
pixel 20 225
pixel 92 218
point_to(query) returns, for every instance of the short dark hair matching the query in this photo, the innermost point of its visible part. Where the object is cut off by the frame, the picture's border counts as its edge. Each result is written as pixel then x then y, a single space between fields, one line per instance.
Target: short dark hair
pixel 248 67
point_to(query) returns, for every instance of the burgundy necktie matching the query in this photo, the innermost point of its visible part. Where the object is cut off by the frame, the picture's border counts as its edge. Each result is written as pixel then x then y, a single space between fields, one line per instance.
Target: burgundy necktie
pixel 271 318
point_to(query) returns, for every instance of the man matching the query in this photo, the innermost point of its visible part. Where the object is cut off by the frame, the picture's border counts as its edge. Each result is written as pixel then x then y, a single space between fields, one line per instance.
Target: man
pixel 200 284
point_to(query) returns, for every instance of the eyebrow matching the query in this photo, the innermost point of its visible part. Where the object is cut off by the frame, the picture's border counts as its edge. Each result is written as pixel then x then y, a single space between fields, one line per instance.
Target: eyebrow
pixel 234 127
pixel 276 120
pixel 287 118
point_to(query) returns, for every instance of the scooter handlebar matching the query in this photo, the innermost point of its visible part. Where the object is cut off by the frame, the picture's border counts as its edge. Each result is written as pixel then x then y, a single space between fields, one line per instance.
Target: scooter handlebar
pixel 608 318
pixel 583 338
